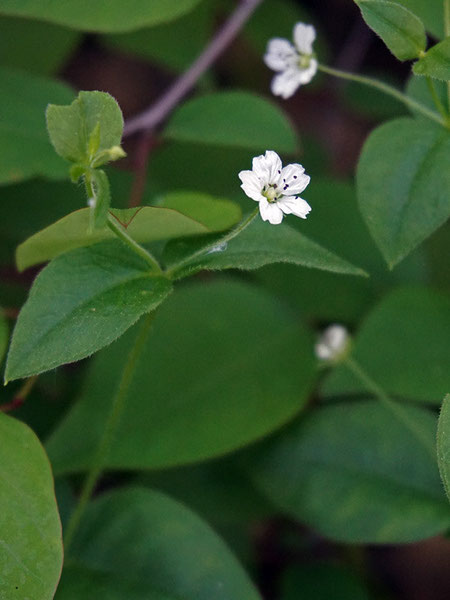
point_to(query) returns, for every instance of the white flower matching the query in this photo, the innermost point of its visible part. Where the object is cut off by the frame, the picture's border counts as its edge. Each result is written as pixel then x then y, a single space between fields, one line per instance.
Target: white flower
pixel 333 343
pixel 276 188
pixel 295 64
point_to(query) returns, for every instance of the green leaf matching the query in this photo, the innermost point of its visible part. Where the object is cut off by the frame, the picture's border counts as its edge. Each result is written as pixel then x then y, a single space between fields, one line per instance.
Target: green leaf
pixel 145 540
pixel 31 546
pixel 26 149
pixel 417 88
pixel 403 183
pixel 436 62
pixel 79 303
pixel 182 214
pixel 242 367
pixel 101 203
pixel 431 14
pixel 71 127
pixel 102 15
pixel 47 46
pixel 443 444
pixel 258 245
pixel 321 582
pixel 403 338
pixel 401 31
pixel 382 486
pixel 236 119
pixel 4 335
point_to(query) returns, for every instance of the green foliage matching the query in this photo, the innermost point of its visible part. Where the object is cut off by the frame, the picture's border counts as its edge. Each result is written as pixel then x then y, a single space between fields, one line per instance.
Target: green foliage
pixel 4 335
pixel 418 88
pixel 443 444
pixel 31 556
pixel 180 214
pixel 429 12
pixel 401 31
pixel 200 394
pixel 258 245
pixel 103 15
pixel 100 291
pixel 125 536
pixel 436 62
pixel 236 119
pixel 403 183
pixel 321 582
pixel 384 490
pixel 403 338
pixel 27 151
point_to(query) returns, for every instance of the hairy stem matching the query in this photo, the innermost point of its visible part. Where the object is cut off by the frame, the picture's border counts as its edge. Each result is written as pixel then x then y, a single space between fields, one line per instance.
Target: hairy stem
pixel 394 407
pixel 157 113
pixel 386 89
pixel 109 431
pixel 223 240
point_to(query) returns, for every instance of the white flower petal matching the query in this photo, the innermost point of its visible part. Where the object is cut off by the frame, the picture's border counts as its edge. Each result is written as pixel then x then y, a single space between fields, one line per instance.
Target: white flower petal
pixel 304 36
pixel 293 180
pixel 333 343
pixel 268 168
pixel 270 211
pixel 285 83
pixel 280 54
pixel 291 205
pixel 251 185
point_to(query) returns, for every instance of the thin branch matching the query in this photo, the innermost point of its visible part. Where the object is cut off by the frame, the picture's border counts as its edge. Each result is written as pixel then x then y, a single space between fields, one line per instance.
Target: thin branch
pixel 157 113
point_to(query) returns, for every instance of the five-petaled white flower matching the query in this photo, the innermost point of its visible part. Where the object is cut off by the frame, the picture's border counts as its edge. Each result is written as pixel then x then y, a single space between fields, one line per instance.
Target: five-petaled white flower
pixel 275 187
pixel 333 343
pixel 295 64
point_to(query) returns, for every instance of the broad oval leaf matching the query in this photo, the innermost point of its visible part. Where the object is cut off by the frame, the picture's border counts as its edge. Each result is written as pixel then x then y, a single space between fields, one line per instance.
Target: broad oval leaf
pixel 436 62
pixel 355 474
pixel 145 540
pixel 430 14
pixel 101 15
pixel 236 119
pixel 258 245
pixel 401 31
pixel 403 338
pixel 181 214
pixel 31 552
pixel 224 365
pixel 80 302
pixel 27 151
pixel 443 444
pixel 403 184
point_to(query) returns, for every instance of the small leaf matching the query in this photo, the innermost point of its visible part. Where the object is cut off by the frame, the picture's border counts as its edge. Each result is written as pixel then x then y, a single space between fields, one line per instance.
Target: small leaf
pixel 401 31
pixel 102 201
pixel 79 303
pixel 403 183
pixel 31 546
pixel 145 541
pixel 258 245
pixel 241 368
pixel 71 128
pixel 197 214
pixel 382 486
pixel 436 62
pixel 403 338
pixel 443 444
pixel 26 150
pixel 103 15
pixel 236 119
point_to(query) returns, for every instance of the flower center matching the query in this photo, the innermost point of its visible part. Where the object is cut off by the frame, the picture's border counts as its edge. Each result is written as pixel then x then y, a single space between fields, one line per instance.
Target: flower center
pixel 304 61
pixel 270 192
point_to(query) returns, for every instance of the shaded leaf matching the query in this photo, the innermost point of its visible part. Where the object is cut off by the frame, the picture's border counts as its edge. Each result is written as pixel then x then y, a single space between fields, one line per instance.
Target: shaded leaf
pixel 31 553
pixel 4 335
pixel 79 303
pixel 443 444
pixel 200 394
pixel 321 582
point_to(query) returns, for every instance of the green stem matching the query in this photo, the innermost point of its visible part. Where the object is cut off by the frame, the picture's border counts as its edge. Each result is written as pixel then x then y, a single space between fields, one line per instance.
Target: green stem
pixel 121 232
pixel 387 89
pixel 394 407
pixel 224 240
pixel 109 431
pixel 436 99
pixel 447 34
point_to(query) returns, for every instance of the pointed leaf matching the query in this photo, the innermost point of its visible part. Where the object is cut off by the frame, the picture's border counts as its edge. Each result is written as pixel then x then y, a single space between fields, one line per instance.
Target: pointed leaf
pixel 436 62
pixel 79 303
pixel 400 29
pixel 443 444
pixel 403 183
pixel 31 552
